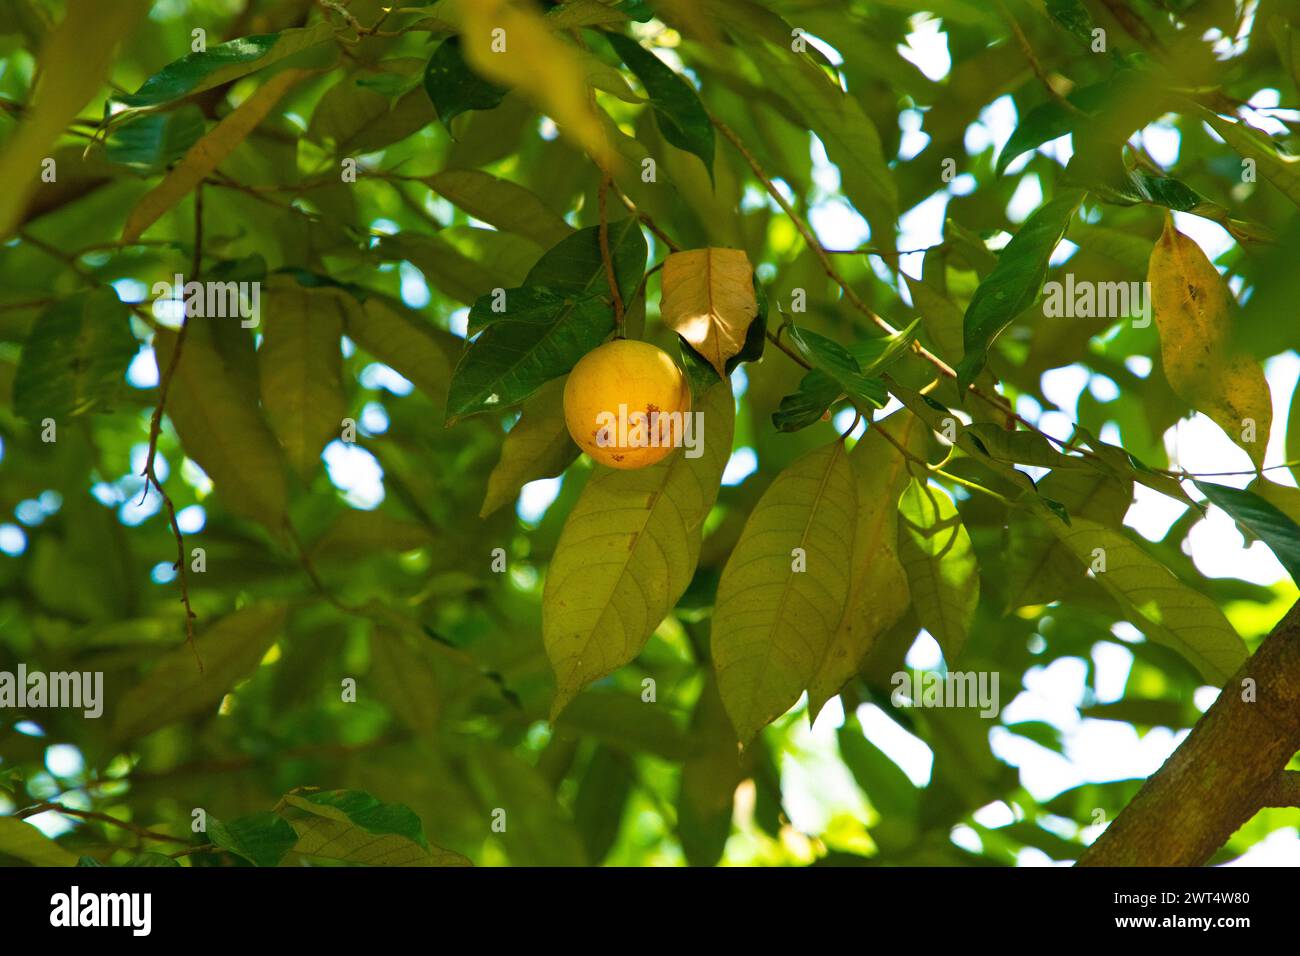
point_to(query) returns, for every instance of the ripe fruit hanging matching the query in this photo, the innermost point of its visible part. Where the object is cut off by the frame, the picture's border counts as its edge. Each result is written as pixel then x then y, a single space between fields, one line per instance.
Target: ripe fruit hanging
pixel 619 403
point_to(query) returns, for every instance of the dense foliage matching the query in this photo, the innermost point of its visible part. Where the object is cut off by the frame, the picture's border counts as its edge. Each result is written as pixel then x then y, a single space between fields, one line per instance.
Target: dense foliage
pixel 312 547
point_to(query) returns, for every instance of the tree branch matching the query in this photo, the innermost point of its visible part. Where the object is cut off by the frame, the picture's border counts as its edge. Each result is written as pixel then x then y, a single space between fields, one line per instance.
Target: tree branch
pixel 1229 767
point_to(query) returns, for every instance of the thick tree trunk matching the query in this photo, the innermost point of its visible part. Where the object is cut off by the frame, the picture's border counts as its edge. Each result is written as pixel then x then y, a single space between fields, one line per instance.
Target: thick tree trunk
pixel 1230 766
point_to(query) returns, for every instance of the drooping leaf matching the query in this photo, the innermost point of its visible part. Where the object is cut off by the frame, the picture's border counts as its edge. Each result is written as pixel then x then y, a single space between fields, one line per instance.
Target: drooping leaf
pixel 708 299
pixel 678 111
pixel 208 153
pixel 514 46
pixel 936 553
pixel 175 688
pixel 353 827
pixel 501 203
pixel 878 588
pixel 710 776
pixel 22 840
pixel 1193 312
pixel 71 71
pixel 783 590
pixel 224 63
pixel 561 313
pixel 301 368
pixel 1159 605
pixel 538 446
pixel 212 403
pixel 601 800
pixel 260 838
pixel 1015 282
pixel 627 552
pixel 75 359
pixel 153 142
pixel 1262 519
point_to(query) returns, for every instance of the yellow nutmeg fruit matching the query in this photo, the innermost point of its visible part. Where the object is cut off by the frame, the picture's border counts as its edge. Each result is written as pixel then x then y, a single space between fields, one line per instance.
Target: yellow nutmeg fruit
pixel 620 400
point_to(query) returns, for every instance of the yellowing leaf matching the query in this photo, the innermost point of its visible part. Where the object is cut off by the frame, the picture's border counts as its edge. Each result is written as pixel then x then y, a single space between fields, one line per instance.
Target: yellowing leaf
pixel 21 840
pixel 74 61
pixel 176 688
pixel 782 593
pixel 213 405
pixel 538 446
pixel 940 562
pixel 626 554
pixel 708 299
pixel 1193 311
pixel 208 153
pixel 514 46
pixel 1158 604
pixel 301 367
pixel 878 590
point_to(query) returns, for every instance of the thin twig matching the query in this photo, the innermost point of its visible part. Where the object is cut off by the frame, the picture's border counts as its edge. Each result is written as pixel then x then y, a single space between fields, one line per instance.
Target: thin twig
pixel 155 429
pixel 101 817
pixel 608 257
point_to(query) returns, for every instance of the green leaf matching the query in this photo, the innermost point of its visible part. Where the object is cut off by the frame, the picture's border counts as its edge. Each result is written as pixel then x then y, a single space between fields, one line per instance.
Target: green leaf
pixel 224 63
pixel 176 687
pixel 1164 609
pixel 602 797
pixel 76 357
pixel 840 364
pixel 1262 519
pixel 851 139
pixel 404 681
pixel 354 827
pixel 625 722
pixel 709 778
pixel 301 368
pixel 1282 171
pixel 1051 120
pixel 678 110
pixel 1073 16
pixel 406 342
pixel 893 796
pixel 151 143
pixel 817 392
pixel 538 446
pixel 1015 282
pixel 1040 568
pixel 20 839
pixel 937 554
pixel 561 313
pixel 783 590
pixel 260 838
pixel 354 119
pixel 501 203
pixel 213 405
pixel 627 552
pixel 453 87
pixel 878 589
pixel 1020 446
